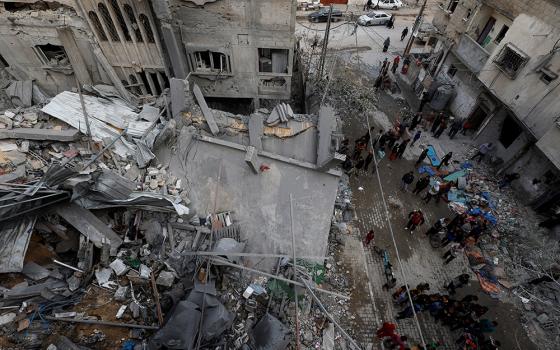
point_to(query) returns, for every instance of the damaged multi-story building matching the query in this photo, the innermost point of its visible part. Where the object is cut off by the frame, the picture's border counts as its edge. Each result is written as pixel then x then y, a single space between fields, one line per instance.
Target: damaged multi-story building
pixel 502 59
pixel 231 49
pixel 55 43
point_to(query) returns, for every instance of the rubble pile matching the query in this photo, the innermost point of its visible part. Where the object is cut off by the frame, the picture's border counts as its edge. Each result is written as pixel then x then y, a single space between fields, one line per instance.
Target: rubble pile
pixel 517 260
pixel 99 247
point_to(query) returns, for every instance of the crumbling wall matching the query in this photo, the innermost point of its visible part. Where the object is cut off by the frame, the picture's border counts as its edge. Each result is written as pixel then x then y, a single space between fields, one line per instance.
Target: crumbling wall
pixel 25 37
pixel 467 88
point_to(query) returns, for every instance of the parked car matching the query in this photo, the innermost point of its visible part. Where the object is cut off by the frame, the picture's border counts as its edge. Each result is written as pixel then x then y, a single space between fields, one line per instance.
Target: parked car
pixel 309 5
pixel 374 18
pixel 323 15
pixel 388 4
pixel 425 31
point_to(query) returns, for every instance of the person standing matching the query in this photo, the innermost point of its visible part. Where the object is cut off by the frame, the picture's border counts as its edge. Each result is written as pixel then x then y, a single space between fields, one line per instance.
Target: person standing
pixel 404 33
pixel 406 180
pixel 436 123
pixel 369 237
pixel 441 128
pixel 367 135
pixel 401 149
pixel 421 184
pixel 422 156
pixel 483 150
pixel 386 44
pixel 368 4
pixel 454 250
pixel 359 163
pixel 416 120
pixel 415 218
pixel 425 96
pixel 379 135
pixel 457 283
pixel 396 62
pixel 394 152
pixel 416 137
pixel 445 160
pixel 387 330
pixel 432 192
pixel 383 65
pixel 455 127
pixel 368 160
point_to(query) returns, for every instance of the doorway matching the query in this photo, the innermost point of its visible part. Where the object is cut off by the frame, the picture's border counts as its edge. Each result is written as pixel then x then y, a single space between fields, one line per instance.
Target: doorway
pixel 487 29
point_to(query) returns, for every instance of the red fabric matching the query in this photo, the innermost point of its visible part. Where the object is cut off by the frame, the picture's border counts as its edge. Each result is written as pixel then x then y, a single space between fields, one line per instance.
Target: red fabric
pixel 387 330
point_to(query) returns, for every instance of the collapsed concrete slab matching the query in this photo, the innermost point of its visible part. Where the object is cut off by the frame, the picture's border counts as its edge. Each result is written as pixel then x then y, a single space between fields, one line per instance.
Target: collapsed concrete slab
pixel 66 135
pixel 206 111
pixel 89 225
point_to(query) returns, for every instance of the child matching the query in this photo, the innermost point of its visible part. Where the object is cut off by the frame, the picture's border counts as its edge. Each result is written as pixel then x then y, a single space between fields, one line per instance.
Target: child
pixel 416 137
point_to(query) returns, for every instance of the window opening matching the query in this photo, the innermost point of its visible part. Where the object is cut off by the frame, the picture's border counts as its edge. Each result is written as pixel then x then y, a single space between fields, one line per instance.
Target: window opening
pixel 145 82
pixel 108 22
pixel 97 26
pixel 120 19
pixel 147 27
pixel 511 60
pixel 273 60
pixel 452 71
pixel 209 61
pixel 156 83
pixel 130 13
pixel 52 55
pixel 501 34
pixel 452 6
pixel 510 131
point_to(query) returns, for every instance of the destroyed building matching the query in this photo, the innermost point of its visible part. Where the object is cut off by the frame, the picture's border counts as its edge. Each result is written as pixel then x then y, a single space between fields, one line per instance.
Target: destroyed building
pixel 498 64
pixel 231 49
pixel 113 42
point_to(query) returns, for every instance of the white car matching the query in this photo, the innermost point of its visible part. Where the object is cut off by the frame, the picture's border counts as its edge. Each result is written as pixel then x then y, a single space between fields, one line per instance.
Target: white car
pixel 388 4
pixel 374 18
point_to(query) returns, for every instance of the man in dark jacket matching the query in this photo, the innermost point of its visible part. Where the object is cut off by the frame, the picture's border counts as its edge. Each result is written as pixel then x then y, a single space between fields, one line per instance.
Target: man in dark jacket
pixel 421 184
pixel 406 180
pixel 423 156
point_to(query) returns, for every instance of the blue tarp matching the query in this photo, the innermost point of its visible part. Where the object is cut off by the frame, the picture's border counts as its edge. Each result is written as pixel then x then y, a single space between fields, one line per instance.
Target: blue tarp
pixel 454 176
pixel 426 169
pixel 432 155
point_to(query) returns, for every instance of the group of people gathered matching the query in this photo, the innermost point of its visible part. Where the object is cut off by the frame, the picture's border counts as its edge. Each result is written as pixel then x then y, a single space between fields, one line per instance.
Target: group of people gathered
pixel 464 314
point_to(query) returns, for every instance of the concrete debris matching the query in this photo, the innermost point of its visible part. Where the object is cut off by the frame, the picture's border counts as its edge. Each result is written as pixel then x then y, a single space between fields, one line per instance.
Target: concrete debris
pixel 21 93
pixel 282 113
pixel 208 114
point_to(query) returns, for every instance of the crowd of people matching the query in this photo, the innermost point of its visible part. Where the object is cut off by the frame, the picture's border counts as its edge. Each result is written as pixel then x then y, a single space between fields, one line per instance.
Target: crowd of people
pixel 464 314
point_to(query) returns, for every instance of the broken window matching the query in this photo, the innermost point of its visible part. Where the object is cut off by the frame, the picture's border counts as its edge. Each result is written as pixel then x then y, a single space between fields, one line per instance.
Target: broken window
pixel 452 6
pixel 501 34
pixel 120 19
pixel 209 61
pixel 510 131
pixel 106 17
pixel 130 13
pixel 511 60
pixel 147 28
pixel 452 71
pixel 273 60
pixel 97 26
pixel 52 55
pixel 146 83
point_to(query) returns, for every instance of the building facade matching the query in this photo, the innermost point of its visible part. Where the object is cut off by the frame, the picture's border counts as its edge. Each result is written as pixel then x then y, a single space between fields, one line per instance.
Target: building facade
pixel 96 41
pixel 231 48
pixel 503 59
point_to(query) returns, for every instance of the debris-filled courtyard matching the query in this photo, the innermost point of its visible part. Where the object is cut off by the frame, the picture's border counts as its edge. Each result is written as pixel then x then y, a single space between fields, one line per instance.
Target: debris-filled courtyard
pixel 157 192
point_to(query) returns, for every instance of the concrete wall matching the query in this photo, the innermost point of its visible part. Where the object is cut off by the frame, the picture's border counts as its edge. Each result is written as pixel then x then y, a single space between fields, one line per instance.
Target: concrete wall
pixel 467 88
pixel 236 28
pixel 21 31
pixel 471 54
pixel 535 103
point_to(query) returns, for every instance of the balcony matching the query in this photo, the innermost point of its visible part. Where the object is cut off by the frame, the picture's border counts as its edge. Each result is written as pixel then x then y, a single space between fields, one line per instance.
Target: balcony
pixel 471 53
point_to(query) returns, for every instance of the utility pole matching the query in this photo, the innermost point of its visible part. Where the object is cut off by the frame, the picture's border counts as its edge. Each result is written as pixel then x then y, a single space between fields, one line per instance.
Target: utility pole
pixel 414 29
pixel 325 44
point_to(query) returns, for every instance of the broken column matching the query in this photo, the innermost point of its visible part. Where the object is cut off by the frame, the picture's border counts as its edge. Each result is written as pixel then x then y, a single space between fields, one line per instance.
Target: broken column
pixel 326 157
pixel 252 159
